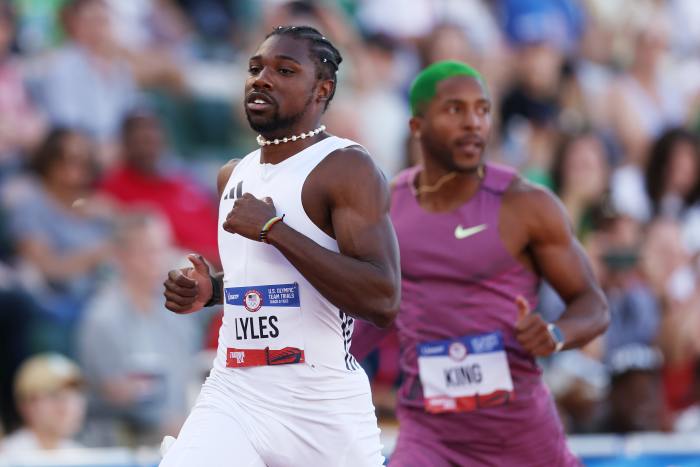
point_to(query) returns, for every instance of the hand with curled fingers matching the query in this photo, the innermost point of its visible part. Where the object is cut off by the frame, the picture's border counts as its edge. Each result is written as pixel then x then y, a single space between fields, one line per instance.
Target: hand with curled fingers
pixel 249 215
pixel 531 331
pixel 188 289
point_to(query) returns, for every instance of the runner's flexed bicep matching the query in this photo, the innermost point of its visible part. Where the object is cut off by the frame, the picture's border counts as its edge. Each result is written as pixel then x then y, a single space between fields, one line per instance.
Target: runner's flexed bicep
pixel 363 229
pixel 363 278
pixel 561 260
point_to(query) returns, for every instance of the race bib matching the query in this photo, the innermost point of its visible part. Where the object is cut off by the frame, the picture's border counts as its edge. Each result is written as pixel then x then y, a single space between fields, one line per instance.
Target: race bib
pixel 267 325
pixel 464 374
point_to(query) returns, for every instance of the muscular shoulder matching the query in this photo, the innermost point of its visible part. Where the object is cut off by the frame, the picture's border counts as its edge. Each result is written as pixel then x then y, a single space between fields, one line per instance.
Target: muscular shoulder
pixel 225 174
pixel 538 209
pixel 351 160
pixel 351 172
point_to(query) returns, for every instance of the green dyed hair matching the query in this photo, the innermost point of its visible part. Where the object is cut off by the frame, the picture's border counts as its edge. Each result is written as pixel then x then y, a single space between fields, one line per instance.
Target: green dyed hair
pixel 424 86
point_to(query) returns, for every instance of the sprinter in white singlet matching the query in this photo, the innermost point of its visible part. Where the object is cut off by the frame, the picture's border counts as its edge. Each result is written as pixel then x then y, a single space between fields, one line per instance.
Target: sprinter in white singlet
pixel 306 246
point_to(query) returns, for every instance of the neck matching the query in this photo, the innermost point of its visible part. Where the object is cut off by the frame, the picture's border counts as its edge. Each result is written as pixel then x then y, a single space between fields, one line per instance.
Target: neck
pixel 452 191
pixel 96 52
pixel 65 196
pixel 645 72
pixel 140 294
pixel 575 207
pixel 47 440
pixel 146 170
pixel 276 153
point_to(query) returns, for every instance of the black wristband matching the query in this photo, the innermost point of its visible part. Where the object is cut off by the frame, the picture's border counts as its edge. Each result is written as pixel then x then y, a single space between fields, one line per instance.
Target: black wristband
pixel 216 292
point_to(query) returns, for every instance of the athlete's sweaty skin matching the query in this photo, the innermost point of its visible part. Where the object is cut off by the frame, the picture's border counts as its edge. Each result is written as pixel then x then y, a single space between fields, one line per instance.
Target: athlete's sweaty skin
pixel 475 239
pixel 346 196
pixel 455 128
pixel 284 389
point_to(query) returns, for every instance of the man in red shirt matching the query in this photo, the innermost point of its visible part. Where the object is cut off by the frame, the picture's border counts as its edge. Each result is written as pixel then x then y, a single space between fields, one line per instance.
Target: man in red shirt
pixel 140 180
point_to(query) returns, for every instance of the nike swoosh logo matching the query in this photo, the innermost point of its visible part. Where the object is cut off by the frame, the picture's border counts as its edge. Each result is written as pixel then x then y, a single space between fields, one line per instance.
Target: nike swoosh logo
pixel 462 233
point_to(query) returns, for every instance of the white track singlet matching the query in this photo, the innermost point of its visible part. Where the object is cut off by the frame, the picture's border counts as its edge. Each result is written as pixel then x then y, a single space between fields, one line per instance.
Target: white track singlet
pixel 292 313
pixel 283 376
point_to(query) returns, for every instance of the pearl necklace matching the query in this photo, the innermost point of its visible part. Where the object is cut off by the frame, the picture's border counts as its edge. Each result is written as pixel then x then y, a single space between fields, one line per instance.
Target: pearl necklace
pixel 266 142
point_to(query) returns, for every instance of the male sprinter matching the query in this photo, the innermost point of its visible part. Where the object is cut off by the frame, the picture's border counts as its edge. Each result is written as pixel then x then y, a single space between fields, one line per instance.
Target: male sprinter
pixel 305 235
pixel 474 241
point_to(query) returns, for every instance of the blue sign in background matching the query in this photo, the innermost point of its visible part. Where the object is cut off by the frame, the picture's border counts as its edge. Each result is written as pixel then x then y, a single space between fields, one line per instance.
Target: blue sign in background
pixel 646 460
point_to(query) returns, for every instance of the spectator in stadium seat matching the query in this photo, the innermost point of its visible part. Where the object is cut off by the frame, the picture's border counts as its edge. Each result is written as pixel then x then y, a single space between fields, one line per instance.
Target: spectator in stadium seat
pixel 580 176
pixel 61 231
pixel 49 398
pixel 673 173
pixel 89 69
pixel 530 110
pixel 689 419
pixel 18 314
pixel 676 283
pixel 134 352
pixel 635 311
pixel 634 402
pixel 142 179
pixel 21 125
pixel 646 99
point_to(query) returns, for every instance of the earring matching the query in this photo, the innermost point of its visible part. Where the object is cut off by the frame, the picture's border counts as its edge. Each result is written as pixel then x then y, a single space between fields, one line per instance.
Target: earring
pixel 480 171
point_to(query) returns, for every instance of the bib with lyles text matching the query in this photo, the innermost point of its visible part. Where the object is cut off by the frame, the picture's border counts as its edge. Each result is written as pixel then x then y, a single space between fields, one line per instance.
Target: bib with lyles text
pixel 267 326
pixel 464 374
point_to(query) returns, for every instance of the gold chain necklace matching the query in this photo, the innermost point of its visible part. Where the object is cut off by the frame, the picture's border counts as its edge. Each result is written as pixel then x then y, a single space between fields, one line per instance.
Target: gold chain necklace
pixel 441 181
pixel 434 187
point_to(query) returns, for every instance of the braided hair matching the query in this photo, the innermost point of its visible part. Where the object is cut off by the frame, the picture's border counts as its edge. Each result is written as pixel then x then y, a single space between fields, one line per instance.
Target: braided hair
pixel 324 54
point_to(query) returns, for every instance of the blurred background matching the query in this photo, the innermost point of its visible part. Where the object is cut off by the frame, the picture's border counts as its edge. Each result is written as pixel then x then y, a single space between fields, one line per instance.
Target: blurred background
pixel 115 116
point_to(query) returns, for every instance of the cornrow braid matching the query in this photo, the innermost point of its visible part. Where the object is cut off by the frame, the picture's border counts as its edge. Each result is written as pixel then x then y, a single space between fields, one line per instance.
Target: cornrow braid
pixel 323 53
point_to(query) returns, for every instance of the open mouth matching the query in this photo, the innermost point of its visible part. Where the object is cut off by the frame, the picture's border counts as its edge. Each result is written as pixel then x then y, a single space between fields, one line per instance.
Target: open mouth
pixel 259 102
pixel 470 143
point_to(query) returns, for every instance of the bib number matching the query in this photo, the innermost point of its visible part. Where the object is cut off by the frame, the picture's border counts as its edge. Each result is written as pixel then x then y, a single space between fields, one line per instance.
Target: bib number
pixel 267 325
pixel 464 374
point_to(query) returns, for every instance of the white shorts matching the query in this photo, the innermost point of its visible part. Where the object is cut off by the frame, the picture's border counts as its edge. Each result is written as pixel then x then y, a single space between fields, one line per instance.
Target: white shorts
pixel 305 430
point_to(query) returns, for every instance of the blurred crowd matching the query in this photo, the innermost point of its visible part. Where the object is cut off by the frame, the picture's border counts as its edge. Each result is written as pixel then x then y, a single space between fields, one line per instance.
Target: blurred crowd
pixel 115 116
